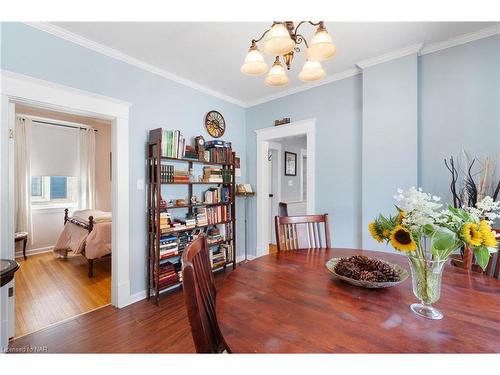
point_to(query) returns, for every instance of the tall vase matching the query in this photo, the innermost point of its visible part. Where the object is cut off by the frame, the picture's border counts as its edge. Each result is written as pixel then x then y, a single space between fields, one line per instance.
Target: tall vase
pixel 426 279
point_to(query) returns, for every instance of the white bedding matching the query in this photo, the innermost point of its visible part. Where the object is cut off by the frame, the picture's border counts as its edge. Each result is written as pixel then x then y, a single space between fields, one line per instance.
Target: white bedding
pixel 99 216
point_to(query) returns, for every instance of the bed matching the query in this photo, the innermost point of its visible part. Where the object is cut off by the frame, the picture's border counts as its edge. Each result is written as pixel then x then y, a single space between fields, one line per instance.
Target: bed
pixel 87 233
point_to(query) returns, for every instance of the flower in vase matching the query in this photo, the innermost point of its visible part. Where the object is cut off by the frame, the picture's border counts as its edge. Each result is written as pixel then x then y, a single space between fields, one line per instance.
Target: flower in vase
pixel 402 239
pixel 471 234
pixel 372 227
pixel 488 236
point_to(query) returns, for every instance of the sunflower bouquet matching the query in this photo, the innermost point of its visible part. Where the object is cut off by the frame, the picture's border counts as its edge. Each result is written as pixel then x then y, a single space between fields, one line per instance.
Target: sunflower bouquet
pixel 429 234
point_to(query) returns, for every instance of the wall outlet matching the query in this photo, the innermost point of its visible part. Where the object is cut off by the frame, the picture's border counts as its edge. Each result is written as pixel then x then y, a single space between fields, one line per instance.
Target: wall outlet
pixel 140 184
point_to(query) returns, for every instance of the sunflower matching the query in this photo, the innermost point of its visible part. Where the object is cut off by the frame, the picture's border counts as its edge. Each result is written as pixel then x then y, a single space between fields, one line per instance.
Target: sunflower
pixel 489 239
pixel 402 239
pixel 372 227
pixel 471 234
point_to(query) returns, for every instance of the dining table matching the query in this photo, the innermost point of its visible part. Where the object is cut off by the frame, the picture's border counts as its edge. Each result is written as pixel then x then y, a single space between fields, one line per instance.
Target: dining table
pixel 289 302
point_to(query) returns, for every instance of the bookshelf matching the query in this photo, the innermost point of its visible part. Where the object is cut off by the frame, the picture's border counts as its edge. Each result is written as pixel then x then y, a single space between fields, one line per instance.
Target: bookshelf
pixel 168 236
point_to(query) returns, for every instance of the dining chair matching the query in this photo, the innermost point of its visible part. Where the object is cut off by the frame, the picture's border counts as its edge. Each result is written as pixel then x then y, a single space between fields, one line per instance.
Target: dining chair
pixel 199 297
pixel 299 232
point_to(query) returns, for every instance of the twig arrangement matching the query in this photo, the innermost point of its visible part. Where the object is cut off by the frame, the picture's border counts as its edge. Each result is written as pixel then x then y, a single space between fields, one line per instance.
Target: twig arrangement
pixel 468 193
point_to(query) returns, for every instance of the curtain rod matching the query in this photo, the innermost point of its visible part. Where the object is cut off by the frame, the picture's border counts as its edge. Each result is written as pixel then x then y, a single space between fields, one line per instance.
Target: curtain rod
pixel 65 126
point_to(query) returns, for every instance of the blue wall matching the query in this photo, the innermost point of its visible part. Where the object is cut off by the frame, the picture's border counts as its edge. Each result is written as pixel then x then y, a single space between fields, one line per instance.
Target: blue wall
pixel 457 94
pixel 337 109
pixel 389 146
pixel 157 102
pixel 458 97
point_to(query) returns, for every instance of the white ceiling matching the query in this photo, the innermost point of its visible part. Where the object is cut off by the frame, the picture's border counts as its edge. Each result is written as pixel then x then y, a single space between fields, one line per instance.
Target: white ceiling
pixel 210 53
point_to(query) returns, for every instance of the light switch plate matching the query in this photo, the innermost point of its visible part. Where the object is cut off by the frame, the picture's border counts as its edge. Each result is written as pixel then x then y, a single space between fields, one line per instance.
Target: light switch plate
pixel 290 182
pixel 140 184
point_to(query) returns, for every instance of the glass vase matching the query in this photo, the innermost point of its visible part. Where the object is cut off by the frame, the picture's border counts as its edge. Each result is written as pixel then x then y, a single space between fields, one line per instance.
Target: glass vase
pixel 426 279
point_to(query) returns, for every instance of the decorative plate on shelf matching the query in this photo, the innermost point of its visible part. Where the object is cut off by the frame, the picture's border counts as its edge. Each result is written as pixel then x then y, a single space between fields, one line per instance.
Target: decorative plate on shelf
pixel 400 274
pixel 215 124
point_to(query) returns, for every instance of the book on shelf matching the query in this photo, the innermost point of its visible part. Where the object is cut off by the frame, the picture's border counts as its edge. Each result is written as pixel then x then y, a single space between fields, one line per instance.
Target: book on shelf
pixel 218 214
pixel 217 257
pixel 173 144
pixel 218 151
pixel 216 195
pixel 228 250
pixel 216 175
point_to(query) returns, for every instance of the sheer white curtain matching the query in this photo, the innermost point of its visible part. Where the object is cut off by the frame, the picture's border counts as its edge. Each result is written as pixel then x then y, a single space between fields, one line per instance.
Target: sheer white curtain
pixel 22 175
pixel 87 169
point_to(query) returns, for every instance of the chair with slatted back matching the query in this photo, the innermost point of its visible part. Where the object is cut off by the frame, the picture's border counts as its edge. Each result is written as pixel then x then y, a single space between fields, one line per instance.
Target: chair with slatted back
pixel 299 232
pixel 199 297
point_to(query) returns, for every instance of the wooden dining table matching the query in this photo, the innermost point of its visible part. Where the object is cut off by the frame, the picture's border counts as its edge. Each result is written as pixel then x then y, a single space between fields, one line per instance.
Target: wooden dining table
pixel 289 303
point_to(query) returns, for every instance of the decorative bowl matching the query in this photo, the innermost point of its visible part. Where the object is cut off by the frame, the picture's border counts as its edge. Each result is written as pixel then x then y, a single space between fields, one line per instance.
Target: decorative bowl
pixel 403 275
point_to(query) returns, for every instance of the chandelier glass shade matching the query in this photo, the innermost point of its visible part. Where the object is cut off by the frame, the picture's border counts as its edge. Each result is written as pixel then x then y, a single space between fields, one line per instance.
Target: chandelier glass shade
pixel 278 40
pixel 321 47
pixel 254 64
pixel 312 71
pixel 283 41
pixel 277 74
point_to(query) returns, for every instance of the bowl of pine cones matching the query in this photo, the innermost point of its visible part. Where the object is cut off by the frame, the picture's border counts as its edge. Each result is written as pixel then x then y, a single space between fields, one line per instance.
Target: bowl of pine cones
pixel 367 272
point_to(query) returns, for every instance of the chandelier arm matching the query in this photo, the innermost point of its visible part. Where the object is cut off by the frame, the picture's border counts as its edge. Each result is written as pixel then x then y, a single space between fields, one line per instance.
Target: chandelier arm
pixel 299 38
pixel 262 36
pixel 319 23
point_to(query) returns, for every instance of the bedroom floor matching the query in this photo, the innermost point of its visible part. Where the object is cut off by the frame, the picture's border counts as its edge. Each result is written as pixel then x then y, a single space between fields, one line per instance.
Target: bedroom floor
pixel 50 290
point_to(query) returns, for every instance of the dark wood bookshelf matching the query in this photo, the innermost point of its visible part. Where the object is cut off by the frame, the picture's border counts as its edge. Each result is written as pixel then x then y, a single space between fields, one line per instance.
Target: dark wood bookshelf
pixel 155 208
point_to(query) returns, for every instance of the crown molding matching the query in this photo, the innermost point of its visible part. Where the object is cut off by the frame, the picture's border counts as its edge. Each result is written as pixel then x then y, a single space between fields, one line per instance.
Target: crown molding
pixel 406 51
pixel 461 39
pixel 115 54
pixel 306 86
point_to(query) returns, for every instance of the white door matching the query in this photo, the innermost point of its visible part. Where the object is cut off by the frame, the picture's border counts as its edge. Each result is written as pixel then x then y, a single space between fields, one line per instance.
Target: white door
pixel 273 191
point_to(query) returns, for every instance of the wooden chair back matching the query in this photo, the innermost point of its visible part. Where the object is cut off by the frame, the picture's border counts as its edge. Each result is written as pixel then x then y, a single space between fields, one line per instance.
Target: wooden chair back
pixel 199 297
pixel 299 232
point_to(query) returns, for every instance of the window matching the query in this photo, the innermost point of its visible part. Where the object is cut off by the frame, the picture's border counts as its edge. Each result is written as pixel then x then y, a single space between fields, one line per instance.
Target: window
pixel 53 189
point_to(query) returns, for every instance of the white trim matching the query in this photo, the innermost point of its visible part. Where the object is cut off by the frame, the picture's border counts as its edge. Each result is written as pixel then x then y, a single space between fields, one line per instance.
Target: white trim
pixel 20 89
pixel 115 54
pixel 462 39
pixel 406 51
pixel 264 136
pixel 40 250
pixel 279 162
pixel 306 86
pixel 303 153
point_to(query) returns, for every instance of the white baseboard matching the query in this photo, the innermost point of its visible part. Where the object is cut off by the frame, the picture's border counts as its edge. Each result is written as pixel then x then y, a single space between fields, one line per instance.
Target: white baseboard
pixel 29 252
pixel 241 258
pixel 139 296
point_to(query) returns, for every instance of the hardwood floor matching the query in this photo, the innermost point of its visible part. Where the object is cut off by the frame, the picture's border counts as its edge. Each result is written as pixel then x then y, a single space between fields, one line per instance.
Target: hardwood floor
pixel 49 290
pixel 139 328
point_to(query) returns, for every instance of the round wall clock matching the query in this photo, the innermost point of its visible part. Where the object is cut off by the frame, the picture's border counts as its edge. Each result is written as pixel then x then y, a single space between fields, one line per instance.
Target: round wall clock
pixel 215 124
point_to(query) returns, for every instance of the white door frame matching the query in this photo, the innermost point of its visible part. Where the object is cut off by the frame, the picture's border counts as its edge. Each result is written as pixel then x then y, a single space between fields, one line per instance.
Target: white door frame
pixel 302 155
pixel 264 136
pixel 21 89
pixel 277 147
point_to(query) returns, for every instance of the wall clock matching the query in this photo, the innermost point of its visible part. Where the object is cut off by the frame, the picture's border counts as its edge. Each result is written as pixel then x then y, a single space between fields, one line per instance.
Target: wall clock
pixel 215 124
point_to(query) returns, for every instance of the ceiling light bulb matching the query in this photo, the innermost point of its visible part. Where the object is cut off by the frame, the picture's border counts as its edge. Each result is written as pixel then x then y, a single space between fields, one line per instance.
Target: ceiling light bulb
pixel 278 41
pixel 321 47
pixel 254 64
pixel 277 75
pixel 312 71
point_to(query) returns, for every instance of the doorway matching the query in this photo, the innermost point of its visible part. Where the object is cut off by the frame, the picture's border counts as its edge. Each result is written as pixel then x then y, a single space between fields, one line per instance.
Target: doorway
pixel 266 140
pixel 18 89
pixel 65 173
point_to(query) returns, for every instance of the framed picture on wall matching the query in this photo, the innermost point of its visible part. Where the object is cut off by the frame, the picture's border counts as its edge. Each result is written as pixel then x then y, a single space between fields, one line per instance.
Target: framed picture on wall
pixel 290 163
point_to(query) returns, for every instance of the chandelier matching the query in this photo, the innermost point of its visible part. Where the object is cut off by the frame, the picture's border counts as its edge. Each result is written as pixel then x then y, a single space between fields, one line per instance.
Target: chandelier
pixel 283 39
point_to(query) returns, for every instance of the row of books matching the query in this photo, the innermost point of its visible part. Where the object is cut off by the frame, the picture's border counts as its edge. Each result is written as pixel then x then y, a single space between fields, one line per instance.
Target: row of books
pixel 218 151
pixel 168 275
pixel 221 255
pixel 216 195
pixel 216 175
pixel 168 173
pixel 217 214
pixel 173 144
pixel 168 246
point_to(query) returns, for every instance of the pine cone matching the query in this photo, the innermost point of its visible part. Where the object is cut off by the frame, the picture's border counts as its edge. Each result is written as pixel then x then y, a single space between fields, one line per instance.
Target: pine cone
pixel 389 273
pixel 348 269
pixel 361 261
pixel 366 276
pixel 371 264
